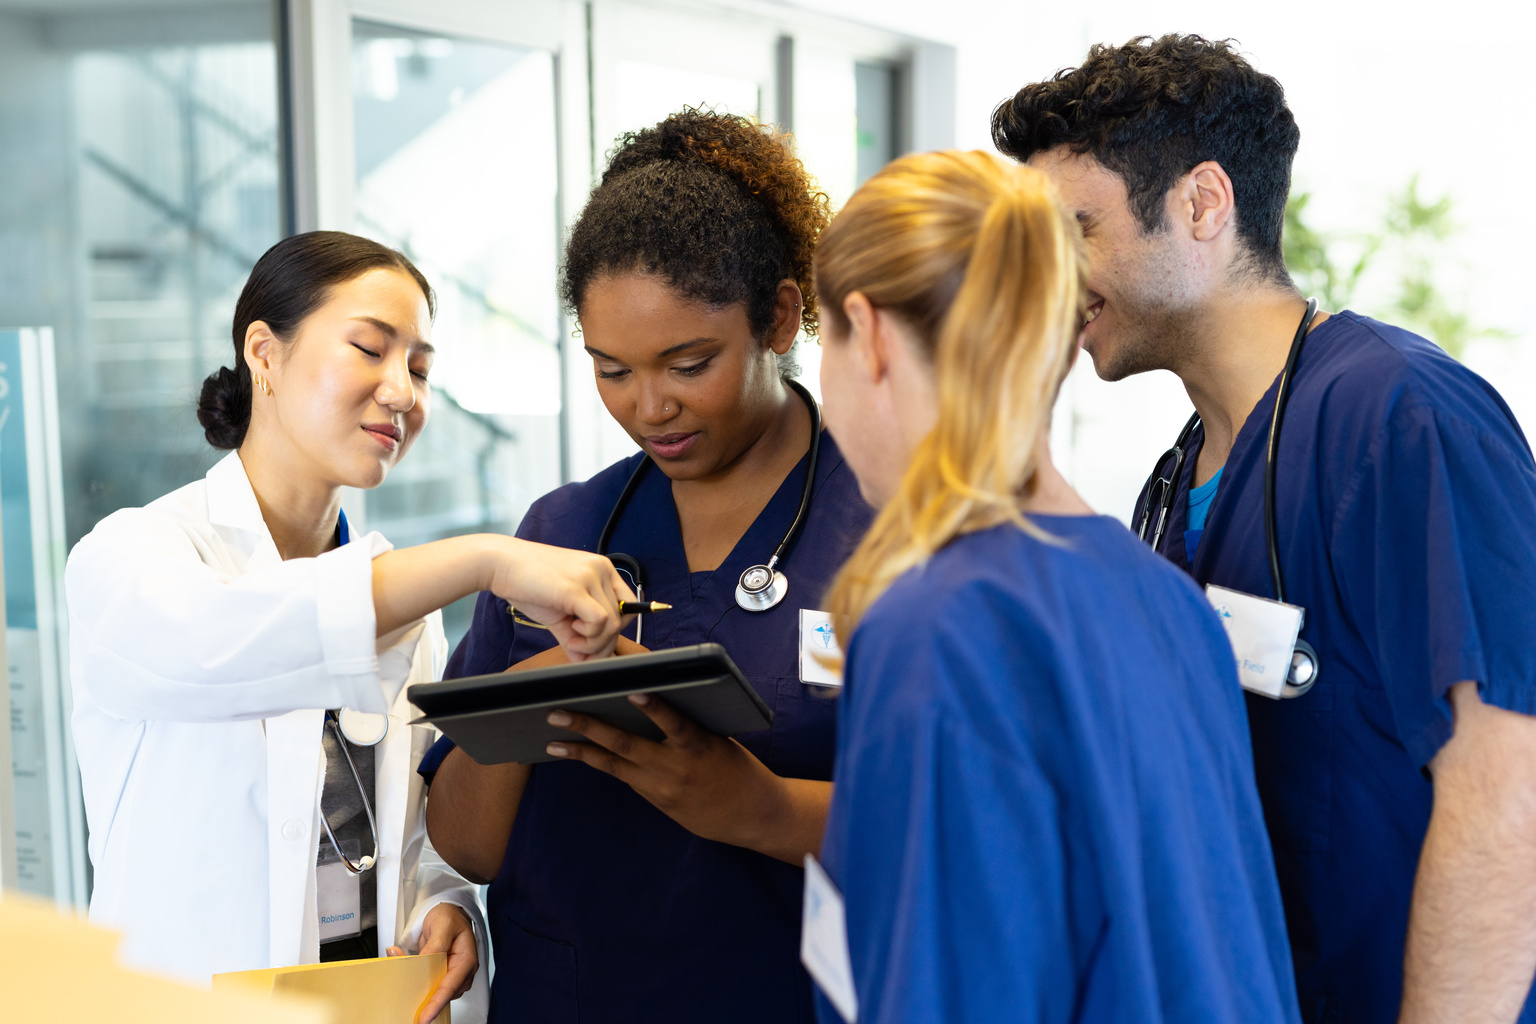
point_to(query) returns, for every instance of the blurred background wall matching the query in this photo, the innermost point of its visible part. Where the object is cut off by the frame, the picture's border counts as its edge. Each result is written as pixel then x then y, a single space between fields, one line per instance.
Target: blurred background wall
pixel 151 150
pixel 1384 95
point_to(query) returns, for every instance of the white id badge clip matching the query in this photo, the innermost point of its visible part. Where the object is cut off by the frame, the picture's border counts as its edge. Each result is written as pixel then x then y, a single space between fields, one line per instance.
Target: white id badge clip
pixel 820 656
pixel 1263 635
pixel 824 941
pixel 339 893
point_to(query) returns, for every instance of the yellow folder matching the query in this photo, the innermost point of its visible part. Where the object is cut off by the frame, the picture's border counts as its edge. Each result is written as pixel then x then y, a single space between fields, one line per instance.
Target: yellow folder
pixel 56 967
pixel 389 990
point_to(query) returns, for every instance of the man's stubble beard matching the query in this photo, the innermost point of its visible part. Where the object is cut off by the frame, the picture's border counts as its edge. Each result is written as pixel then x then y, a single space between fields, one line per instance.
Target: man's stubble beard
pixel 1154 337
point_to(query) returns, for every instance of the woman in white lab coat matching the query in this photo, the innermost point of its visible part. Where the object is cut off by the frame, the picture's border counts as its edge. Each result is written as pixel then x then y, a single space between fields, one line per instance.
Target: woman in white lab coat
pixel 211 630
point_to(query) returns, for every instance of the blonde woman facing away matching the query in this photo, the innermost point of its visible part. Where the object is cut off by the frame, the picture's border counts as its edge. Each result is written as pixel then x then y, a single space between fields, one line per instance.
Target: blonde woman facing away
pixel 1045 807
pixel 239 661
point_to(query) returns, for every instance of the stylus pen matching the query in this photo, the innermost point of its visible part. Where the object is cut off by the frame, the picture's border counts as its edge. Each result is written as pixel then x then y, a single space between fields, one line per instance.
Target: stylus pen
pixel 625 608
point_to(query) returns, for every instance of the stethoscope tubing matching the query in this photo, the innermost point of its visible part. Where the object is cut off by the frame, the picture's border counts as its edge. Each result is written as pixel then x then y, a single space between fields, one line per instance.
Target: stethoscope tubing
pixel 813 461
pixel 1271 460
pixel 1165 499
pixel 364 863
pixel 1272 450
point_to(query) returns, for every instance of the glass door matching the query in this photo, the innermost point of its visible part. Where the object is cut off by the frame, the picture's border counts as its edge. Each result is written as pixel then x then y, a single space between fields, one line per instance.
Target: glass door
pixel 455 159
pixel 456 165
pixel 142 181
pixel 468 134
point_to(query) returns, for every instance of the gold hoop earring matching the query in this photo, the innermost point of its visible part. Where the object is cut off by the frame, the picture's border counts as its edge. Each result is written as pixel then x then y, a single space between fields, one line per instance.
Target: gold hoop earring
pixel 261 382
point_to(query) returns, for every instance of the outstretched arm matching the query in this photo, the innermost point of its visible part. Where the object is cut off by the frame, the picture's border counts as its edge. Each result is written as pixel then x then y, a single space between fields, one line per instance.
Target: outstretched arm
pixel 300 633
pixel 575 593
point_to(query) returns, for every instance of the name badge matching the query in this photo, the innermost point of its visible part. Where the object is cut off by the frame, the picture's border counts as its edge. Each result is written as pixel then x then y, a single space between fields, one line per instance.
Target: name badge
pixel 1263 634
pixel 339 894
pixel 824 941
pixel 818 647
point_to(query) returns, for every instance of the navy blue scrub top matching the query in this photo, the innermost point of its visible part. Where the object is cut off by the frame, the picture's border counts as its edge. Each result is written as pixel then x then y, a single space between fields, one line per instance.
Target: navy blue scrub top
pixel 1406 515
pixel 1045 806
pixel 604 905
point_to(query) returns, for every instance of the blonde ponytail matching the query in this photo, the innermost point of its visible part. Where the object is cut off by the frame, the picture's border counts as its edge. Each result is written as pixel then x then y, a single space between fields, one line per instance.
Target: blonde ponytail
pixel 979 258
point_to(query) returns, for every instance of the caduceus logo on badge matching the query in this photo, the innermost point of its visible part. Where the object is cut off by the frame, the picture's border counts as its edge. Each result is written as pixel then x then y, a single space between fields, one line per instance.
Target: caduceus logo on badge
pixel 826 636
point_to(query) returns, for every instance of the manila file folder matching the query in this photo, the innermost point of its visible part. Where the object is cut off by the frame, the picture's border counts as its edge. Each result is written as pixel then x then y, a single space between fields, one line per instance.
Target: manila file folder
pixel 56 967
pixel 389 990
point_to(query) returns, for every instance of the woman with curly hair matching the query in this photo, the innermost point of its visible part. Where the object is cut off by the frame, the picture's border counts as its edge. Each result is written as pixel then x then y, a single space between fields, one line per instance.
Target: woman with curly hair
pixel 662 880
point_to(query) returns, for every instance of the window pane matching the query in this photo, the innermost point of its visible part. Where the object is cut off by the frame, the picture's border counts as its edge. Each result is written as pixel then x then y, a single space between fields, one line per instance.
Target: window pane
pixel 456 166
pixel 139 150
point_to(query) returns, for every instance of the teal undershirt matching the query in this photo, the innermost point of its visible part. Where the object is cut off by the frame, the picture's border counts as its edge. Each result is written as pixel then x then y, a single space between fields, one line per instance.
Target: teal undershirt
pixel 1200 499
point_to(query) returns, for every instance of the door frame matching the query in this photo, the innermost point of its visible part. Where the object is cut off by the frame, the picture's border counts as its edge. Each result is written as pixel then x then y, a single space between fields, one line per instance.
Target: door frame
pixel 586 39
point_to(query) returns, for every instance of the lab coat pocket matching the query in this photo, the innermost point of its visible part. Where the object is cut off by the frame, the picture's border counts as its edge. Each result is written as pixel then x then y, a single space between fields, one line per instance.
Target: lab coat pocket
pixel 535 977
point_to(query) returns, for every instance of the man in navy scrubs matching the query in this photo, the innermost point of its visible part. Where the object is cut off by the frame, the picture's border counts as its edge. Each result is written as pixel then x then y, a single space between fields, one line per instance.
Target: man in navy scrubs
pixel 1400 791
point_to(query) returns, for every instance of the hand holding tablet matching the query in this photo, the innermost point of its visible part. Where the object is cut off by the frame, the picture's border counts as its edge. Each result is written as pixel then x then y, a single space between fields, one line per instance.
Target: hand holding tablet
pixel 504 717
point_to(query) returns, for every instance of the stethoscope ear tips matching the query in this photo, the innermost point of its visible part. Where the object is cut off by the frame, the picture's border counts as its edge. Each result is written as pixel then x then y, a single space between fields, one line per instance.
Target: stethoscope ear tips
pixel 760 588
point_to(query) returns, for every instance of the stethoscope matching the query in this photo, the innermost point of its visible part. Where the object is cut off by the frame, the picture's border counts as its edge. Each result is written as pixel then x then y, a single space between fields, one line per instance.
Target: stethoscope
pixel 1304 660
pixel 364 730
pixel 760 587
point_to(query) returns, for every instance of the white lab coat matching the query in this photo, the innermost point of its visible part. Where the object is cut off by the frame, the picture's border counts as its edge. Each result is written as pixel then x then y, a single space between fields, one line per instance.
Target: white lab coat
pixel 201 663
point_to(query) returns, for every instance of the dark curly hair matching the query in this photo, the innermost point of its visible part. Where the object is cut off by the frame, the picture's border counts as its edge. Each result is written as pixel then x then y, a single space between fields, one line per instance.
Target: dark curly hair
pixel 290 281
pixel 1150 111
pixel 716 205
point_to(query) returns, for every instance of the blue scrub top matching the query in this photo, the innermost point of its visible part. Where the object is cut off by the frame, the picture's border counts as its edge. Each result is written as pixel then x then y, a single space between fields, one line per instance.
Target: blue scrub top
pixel 1406 504
pixel 1045 806
pixel 605 906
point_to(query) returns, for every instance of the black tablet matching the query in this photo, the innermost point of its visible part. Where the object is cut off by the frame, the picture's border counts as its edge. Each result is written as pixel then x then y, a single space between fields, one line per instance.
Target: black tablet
pixel 500 718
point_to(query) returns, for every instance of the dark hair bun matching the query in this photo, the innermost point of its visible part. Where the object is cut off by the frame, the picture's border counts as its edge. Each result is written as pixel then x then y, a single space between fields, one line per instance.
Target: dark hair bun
pixel 716 204
pixel 224 408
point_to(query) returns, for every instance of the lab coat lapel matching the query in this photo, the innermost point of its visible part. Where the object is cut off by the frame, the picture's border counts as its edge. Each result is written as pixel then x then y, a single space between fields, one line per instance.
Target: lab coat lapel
pixel 296 764
pixel 295 757
pixel 401 830
pixel 394 762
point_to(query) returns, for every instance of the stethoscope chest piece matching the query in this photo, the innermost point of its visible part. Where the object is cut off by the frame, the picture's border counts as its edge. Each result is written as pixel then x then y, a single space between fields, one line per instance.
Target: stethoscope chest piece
pixel 760 588
pixel 362 728
pixel 1303 670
